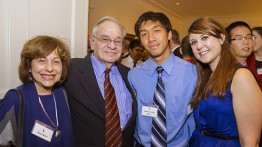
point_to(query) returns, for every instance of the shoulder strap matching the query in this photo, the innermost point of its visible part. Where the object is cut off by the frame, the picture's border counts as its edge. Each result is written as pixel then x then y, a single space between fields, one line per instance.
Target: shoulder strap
pixel 19 135
pixel 66 99
pixel 238 66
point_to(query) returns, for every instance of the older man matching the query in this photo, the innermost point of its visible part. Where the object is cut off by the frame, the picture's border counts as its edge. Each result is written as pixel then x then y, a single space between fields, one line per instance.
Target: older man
pixel 103 107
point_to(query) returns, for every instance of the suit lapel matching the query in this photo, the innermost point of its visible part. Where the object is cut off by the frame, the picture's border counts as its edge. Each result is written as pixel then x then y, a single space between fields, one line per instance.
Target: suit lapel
pixel 95 101
pixel 91 88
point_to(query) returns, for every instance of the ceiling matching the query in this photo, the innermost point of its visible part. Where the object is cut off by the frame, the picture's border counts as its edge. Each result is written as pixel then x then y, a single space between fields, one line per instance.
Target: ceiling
pixel 217 8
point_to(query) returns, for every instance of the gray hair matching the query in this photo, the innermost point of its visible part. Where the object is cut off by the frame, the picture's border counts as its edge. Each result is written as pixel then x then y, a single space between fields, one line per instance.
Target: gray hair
pixel 108 18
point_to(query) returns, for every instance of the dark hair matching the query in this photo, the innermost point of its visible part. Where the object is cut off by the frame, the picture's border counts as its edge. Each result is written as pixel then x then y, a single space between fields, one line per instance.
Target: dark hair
pixel 39 47
pixel 234 25
pixel 217 83
pixel 154 17
pixel 134 43
pixel 186 47
pixel 175 36
pixel 125 46
pixel 258 30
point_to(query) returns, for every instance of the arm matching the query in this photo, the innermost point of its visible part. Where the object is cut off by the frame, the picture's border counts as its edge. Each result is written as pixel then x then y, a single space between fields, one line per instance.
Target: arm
pixel 247 102
pixel 9 106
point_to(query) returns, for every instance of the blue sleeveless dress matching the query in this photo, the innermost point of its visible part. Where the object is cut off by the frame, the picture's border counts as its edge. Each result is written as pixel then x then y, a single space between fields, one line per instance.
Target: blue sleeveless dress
pixel 215 116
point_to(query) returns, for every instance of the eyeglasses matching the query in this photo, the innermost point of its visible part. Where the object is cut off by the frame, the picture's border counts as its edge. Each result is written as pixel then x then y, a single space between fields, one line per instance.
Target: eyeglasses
pixel 106 40
pixel 241 38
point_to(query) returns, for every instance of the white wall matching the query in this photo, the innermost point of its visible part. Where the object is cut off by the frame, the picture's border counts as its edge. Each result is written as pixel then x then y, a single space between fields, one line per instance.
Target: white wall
pixel 24 19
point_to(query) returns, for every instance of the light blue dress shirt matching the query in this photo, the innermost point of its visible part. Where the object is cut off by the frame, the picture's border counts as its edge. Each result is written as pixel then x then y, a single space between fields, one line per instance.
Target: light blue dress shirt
pixel 123 96
pixel 179 77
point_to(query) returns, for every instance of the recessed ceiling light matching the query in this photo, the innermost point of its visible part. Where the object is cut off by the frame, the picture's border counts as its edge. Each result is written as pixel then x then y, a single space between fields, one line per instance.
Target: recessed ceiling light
pixel 177 4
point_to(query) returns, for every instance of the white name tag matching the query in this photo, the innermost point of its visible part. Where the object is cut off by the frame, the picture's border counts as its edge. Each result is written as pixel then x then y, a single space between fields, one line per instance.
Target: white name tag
pixel 43 131
pixel 259 71
pixel 189 110
pixel 150 111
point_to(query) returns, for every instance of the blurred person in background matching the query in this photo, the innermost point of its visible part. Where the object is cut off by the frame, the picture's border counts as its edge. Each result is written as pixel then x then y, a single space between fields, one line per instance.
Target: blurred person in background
pixel 135 53
pixel 174 44
pixel 187 50
pixel 254 61
pixel 241 40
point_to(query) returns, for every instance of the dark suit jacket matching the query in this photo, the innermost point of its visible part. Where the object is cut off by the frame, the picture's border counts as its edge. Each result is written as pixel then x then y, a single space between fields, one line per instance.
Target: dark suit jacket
pixel 88 108
pixel 176 52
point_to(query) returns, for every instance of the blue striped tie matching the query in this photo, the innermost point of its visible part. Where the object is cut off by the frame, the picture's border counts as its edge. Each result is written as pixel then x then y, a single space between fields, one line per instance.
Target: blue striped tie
pixel 159 136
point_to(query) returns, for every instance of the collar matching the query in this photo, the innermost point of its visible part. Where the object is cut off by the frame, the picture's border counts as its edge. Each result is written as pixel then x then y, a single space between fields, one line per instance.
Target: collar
pixel 167 65
pixel 100 68
pixel 130 59
pixel 174 48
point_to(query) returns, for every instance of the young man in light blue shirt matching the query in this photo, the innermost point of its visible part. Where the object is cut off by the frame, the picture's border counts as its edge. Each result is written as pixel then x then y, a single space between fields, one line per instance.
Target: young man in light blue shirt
pixel 179 80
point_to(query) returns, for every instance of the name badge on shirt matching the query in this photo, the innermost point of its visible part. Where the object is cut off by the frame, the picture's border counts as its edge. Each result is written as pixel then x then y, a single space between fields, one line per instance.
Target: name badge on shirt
pixel 150 111
pixel 259 71
pixel 189 110
pixel 42 130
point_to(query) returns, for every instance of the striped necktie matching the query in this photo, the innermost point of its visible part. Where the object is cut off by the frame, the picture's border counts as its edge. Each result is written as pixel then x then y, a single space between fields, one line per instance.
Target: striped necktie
pixel 159 136
pixel 113 134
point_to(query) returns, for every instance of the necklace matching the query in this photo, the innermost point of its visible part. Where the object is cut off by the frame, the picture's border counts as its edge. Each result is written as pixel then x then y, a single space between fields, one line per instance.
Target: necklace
pixel 57 132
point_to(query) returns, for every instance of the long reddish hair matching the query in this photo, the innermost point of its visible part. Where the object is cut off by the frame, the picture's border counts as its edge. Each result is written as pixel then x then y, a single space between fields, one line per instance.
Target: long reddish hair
pixel 217 83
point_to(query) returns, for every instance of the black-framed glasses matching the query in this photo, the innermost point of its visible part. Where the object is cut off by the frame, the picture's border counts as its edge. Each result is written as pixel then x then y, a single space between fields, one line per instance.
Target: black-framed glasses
pixel 241 38
pixel 107 40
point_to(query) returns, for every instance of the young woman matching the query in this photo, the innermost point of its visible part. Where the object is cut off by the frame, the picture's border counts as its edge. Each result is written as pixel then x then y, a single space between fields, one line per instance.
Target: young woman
pixel 227 102
pixel 44 65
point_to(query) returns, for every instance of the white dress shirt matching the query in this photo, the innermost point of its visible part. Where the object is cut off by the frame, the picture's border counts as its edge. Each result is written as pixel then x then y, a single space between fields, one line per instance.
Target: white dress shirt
pixel 129 62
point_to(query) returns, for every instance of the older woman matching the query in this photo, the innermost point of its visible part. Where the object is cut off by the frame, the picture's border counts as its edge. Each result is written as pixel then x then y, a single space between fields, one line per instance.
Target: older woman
pixel 44 65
